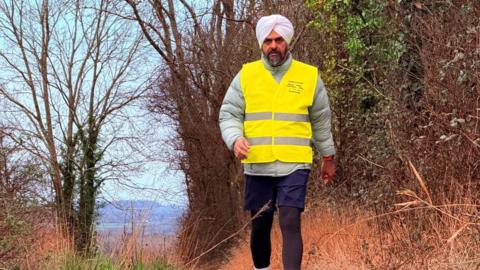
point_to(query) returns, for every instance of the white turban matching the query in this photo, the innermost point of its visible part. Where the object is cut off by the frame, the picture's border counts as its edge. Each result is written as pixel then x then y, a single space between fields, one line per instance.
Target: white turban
pixel 277 23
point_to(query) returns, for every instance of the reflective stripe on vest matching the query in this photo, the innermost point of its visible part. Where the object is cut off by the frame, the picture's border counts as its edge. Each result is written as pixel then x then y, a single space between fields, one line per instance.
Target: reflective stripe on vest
pixel 294 117
pixel 279 141
pixel 277 124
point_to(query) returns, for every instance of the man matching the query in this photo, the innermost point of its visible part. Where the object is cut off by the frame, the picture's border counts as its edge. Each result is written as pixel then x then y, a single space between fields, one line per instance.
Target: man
pixel 272 112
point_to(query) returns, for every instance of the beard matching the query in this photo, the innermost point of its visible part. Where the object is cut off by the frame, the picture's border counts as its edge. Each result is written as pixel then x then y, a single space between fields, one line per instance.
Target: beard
pixel 275 57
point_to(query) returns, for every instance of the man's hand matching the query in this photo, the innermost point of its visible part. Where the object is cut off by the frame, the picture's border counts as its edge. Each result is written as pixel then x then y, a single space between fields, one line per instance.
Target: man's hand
pixel 240 148
pixel 328 171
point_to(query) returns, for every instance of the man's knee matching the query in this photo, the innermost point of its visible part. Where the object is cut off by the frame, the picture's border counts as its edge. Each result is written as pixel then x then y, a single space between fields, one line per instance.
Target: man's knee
pixel 263 222
pixel 290 219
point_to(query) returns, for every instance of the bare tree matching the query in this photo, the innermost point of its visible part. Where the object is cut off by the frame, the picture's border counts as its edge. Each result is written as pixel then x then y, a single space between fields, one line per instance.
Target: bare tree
pixel 72 69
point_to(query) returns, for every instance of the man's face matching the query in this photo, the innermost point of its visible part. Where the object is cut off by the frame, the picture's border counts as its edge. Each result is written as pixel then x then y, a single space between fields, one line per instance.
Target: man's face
pixel 275 49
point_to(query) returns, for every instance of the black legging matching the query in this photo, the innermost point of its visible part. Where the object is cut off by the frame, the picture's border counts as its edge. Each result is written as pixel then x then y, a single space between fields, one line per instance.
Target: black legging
pixel 260 244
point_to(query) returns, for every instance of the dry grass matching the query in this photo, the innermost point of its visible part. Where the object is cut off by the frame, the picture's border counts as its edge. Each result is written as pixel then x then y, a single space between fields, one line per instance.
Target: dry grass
pixel 46 249
pixel 126 250
pixel 418 235
pixel 410 238
pixel 330 240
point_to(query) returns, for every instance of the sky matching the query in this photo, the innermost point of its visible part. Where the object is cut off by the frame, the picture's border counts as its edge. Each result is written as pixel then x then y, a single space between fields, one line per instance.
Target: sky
pixel 156 183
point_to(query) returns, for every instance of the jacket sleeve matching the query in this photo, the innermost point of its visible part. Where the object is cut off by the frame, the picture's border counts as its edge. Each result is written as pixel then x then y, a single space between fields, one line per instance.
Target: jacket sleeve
pixel 320 118
pixel 232 113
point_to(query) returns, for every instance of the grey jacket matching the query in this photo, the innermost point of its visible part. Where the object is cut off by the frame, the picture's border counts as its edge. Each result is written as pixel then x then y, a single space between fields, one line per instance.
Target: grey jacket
pixel 232 114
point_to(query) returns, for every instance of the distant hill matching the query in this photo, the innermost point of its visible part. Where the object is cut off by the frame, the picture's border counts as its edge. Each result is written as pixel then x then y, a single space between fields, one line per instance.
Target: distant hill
pixel 154 217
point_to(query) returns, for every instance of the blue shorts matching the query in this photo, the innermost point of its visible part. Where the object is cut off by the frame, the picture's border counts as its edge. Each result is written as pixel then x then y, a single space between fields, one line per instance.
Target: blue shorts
pixel 280 191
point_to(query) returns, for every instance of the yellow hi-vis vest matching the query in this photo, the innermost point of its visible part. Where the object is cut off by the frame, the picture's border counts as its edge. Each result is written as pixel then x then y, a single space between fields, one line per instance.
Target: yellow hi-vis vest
pixel 277 125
